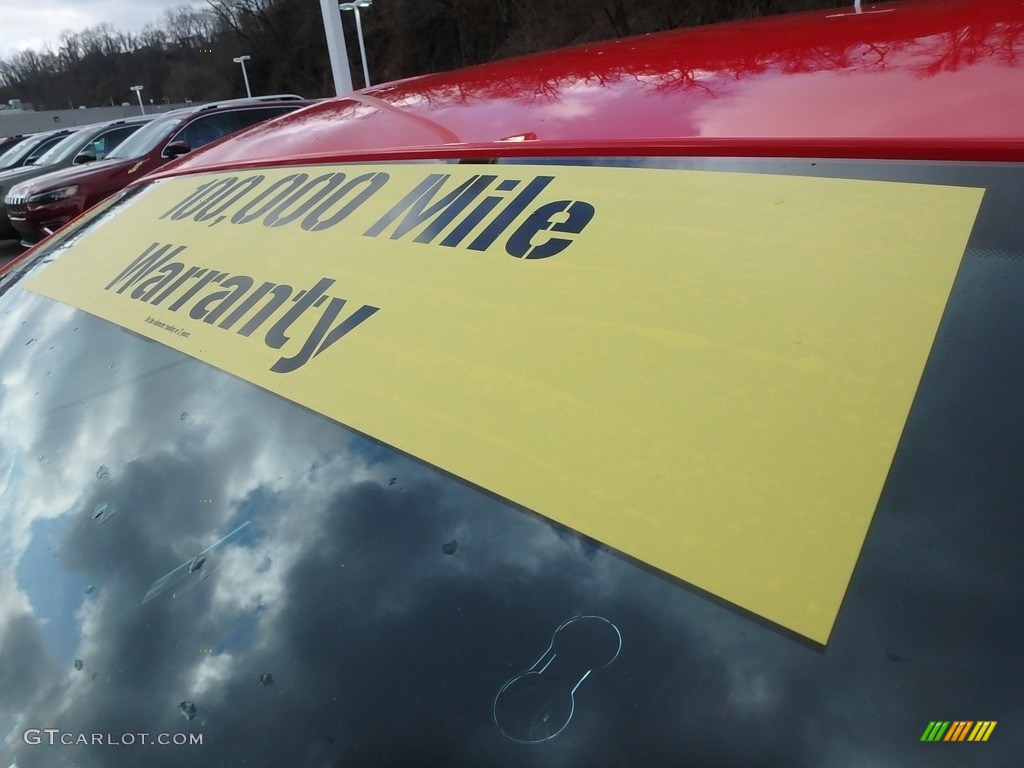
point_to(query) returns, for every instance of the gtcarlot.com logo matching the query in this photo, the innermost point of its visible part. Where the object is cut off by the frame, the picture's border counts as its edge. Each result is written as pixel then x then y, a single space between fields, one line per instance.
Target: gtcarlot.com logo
pixel 53 736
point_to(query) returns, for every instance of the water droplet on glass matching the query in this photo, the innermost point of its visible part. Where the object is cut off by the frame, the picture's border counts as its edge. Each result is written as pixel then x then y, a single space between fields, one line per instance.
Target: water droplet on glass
pixel 184 415
pixel 79 664
pixel 43 460
pixel 101 508
pixel 450 547
pixel 103 473
pixel 89 589
pixel 187 709
pixel 196 564
pixel 267 679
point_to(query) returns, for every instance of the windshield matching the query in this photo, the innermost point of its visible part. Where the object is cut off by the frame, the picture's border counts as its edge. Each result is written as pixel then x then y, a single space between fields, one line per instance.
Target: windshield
pixel 62 150
pixel 192 556
pixel 7 144
pixel 16 156
pixel 145 139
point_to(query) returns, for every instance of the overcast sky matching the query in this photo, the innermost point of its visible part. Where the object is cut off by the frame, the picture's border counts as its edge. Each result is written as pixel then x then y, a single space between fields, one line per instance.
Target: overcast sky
pixel 39 23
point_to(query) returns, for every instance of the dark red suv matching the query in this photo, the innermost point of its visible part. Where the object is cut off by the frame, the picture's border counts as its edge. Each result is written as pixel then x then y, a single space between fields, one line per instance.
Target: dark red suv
pixel 46 203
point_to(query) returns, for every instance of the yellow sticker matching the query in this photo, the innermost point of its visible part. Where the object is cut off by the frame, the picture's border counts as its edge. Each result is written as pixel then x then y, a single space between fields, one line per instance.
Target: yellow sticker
pixel 707 371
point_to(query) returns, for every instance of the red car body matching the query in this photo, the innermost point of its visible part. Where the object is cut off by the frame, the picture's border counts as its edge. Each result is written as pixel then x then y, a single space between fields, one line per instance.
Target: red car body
pixel 891 81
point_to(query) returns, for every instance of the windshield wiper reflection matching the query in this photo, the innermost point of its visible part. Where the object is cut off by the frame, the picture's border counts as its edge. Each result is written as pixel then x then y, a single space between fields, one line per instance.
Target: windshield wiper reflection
pixel 191 565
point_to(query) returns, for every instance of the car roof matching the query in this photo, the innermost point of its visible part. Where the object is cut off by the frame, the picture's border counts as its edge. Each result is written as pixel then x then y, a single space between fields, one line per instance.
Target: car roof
pixel 42 135
pixel 915 79
pixel 85 133
pixel 226 104
pixel 136 119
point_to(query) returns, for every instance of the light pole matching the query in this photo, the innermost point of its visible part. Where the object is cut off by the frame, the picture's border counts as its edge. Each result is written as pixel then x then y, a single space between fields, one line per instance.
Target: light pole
pixel 138 92
pixel 336 50
pixel 241 60
pixel 354 7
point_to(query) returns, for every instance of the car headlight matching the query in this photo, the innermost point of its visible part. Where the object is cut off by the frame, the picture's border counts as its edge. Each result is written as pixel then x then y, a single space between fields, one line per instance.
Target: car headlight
pixel 54 195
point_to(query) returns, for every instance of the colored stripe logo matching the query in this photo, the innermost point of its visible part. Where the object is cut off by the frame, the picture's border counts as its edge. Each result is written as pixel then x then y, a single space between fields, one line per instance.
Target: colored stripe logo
pixel 958 730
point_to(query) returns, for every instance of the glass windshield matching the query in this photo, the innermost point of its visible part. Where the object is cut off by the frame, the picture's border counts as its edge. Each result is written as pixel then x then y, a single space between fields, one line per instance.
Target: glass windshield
pixel 196 570
pixel 9 143
pixel 17 155
pixel 62 150
pixel 145 139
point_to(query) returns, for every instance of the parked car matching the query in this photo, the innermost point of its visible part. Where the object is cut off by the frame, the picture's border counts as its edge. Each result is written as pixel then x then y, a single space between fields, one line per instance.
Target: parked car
pixel 47 202
pixel 92 142
pixel 33 147
pixel 8 142
pixel 649 403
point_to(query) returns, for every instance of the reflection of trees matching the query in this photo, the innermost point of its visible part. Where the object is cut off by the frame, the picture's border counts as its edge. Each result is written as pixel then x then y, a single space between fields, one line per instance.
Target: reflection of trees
pixel 964 47
pixel 707 62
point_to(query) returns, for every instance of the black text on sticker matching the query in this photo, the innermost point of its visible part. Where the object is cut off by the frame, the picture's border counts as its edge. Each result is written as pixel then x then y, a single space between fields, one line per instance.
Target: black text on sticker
pixel 236 301
pixel 475 214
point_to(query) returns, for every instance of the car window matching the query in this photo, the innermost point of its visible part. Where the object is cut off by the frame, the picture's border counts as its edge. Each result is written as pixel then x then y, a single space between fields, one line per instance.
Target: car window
pixel 269 584
pixel 42 148
pixel 247 117
pixel 62 149
pixel 9 143
pixel 145 139
pixel 103 144
pixel 72 144
pixel 207 128
pixel 22 152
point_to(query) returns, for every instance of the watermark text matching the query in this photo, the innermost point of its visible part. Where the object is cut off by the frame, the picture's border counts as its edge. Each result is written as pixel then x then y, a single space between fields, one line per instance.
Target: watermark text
pixel 54 736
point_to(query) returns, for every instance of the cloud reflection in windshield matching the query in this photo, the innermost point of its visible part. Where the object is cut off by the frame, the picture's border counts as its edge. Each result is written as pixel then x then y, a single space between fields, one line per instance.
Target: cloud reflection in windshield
pixel 325 570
